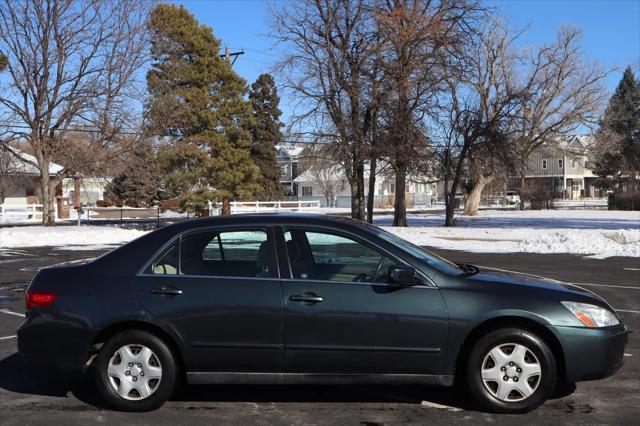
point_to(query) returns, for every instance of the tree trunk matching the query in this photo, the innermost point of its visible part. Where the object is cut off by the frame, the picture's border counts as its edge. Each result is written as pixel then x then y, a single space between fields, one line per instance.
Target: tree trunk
pixel 356 184
pixel 226 206
pixel 76 193
pixel 48 212
pixel 523 191
pixel 360 181
pixel 400 205
pixel 372 190
pixel 450 206
pixel 473 199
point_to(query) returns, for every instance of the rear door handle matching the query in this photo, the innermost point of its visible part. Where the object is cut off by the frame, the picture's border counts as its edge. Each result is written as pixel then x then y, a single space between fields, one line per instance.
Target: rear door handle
pixel 166 291
pixel 306 298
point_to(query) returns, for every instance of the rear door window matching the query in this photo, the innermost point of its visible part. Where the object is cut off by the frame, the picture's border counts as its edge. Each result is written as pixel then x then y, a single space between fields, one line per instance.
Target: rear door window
pixel 167 262
pixel 241 253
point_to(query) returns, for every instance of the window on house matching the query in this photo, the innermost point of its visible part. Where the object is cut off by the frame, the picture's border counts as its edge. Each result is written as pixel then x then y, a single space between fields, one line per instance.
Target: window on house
pixel 561 164
pixel 307 191
pixel 544 164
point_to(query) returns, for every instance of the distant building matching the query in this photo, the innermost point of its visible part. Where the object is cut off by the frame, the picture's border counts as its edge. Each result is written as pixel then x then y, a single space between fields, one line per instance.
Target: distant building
pixel 20 177
pixel 20 181
pixel 288 156
pixel 561 170
pixel 305 185
pixel 90 189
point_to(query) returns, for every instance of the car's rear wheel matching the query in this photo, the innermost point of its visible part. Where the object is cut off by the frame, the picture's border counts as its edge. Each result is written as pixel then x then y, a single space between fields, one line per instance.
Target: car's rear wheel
pixel 135 371
pixel 511 370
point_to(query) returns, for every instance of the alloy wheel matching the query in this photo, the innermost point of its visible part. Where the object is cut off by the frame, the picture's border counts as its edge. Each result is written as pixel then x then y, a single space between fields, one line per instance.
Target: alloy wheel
pixel 134 372
pixel 511 372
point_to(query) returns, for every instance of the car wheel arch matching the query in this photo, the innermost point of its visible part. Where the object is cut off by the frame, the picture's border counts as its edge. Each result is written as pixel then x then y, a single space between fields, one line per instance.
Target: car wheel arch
pixel 113 329
pixel 510 321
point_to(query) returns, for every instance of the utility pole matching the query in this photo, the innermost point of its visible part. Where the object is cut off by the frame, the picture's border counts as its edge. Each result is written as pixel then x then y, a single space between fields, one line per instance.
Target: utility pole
pixel 228 54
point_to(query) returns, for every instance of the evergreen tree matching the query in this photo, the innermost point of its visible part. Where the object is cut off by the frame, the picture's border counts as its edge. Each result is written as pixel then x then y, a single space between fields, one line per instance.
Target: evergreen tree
pixel 265 133
pixel 138 185
pixel 197 101
pixel 617 152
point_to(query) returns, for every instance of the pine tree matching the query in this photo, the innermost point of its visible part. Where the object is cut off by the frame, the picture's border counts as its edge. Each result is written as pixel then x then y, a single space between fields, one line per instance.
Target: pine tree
pixel 265 133
pixel 197 102
pixel 138 185
pixel 617 153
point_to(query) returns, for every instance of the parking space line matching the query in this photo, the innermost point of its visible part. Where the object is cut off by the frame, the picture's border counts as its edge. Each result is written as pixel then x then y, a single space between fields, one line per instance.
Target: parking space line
pixel 607 285
pixel 627 311
pixel 7 337
pixel 9 312
pixel 631 269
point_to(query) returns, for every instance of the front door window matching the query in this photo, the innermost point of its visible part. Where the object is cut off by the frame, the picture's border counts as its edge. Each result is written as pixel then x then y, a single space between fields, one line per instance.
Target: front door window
pixel 330 257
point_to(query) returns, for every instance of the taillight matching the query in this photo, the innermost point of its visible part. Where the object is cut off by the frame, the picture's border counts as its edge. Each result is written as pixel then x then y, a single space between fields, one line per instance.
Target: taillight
pixel 38 299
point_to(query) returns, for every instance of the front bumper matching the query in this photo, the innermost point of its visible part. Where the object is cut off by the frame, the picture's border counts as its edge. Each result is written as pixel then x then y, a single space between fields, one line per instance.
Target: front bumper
pixel 592 353
pixel 53 347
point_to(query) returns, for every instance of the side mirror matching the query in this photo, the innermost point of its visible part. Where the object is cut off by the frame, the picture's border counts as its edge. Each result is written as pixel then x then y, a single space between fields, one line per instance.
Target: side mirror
pixel 402 275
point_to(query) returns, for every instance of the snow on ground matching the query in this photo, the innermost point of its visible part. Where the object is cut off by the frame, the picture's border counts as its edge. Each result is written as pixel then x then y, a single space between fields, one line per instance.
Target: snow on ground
pixel 66 237
pixel 597 233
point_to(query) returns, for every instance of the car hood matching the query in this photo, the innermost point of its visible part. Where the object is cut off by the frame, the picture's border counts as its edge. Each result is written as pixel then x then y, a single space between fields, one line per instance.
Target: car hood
pixel 501 276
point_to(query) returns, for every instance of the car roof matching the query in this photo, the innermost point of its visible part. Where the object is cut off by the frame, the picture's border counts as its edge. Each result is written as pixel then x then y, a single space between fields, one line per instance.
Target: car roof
pixel 270 218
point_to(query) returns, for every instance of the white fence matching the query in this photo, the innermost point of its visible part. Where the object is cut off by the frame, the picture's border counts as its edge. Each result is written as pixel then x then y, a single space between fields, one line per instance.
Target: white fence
pixel 272 206
pixel 20 213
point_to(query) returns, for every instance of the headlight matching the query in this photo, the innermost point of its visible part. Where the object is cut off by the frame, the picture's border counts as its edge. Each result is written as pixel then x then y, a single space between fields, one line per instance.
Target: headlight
pixel 592 315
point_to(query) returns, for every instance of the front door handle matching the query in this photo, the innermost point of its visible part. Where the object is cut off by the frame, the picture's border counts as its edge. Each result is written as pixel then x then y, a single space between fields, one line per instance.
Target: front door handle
pixel 306 298
pixel 166 291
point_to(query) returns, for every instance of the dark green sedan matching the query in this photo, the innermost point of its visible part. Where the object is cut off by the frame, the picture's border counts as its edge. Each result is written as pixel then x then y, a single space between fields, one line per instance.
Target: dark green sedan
pixel 310 299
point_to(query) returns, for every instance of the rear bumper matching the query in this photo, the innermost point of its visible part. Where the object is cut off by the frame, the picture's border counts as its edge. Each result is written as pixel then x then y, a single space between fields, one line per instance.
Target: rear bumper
pixel 590 353
pixel 53 347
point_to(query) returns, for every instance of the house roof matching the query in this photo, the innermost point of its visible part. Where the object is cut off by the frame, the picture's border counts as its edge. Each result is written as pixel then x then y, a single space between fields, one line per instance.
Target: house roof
pixel 290 149
pixel 22 163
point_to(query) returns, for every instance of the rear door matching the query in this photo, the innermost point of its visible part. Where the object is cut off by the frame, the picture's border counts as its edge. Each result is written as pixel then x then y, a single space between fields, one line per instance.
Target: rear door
pixel 219 288
pixel 343 316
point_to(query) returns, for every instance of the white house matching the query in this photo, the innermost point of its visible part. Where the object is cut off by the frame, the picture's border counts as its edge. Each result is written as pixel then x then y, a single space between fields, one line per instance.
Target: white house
pixel 332 189
pixel 20 178
pixel 91 189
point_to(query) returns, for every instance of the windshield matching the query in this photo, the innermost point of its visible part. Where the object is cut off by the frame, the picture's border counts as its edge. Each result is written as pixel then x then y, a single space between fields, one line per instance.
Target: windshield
pixel 422 254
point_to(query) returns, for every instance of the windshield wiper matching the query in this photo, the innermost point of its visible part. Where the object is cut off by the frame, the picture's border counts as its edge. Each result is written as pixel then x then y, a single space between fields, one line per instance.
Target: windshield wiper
pixel 467 269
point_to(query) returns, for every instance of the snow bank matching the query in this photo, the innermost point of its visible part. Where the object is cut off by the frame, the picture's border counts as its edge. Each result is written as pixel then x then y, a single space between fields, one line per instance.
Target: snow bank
pixel 66 237
pixel 598 233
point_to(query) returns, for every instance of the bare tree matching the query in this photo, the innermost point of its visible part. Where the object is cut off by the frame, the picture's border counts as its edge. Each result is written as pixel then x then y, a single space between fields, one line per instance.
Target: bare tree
pixel 318 164
pixel 424 43
pixel 493 80
pixel 329 47
pixel 565 91
pixel 480 112
pixel 72 66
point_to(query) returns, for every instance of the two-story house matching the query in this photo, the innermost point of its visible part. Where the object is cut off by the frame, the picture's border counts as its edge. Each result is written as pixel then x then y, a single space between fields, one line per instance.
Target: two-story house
pixel 307 185
pixel 561 169
pixel 288 156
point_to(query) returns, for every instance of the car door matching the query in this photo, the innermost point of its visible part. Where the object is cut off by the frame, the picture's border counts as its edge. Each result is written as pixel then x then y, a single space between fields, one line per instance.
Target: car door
pixel 219 289
pixel 342 314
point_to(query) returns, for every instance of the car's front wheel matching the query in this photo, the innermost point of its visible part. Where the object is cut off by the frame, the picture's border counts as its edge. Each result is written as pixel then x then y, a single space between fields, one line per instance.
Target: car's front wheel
pixel 511 370
pixel 135 371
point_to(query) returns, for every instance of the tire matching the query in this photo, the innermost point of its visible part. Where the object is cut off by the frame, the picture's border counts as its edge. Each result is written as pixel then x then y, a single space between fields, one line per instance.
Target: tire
pixel 125 359
pixel 511 370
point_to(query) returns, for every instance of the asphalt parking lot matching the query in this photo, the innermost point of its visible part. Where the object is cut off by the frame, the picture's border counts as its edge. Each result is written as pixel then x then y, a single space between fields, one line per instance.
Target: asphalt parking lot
pixel 25 398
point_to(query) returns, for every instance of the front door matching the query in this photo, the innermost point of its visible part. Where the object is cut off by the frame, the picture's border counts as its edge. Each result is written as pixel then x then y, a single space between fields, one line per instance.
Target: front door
pixel 343 316
pixel 219 289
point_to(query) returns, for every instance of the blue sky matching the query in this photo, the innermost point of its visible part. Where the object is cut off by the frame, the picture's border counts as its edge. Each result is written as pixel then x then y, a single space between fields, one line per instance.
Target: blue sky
pixel 611 29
